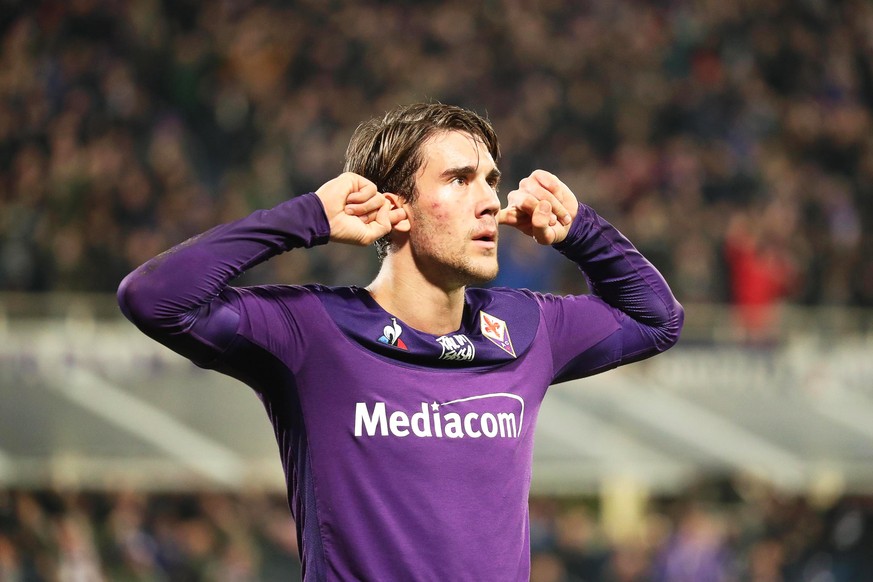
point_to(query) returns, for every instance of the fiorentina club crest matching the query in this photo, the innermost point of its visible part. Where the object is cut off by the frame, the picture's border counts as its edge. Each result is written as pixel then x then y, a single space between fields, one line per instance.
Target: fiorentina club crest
pixel 495 330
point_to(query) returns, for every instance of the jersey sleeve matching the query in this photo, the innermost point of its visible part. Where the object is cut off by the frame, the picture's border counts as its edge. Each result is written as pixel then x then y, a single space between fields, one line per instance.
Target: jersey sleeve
pixel 183 299
pixel 630 315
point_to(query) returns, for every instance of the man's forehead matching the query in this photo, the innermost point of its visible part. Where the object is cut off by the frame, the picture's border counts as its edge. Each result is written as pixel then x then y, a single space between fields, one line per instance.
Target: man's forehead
pixel 457 149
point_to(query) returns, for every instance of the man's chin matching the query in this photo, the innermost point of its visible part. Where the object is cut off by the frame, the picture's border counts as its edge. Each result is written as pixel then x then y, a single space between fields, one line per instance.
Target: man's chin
pixel 482 275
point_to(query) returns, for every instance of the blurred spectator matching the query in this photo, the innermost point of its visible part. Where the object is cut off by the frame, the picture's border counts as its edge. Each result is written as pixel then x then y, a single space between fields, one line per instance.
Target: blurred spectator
pixel 577 545
pixel 696 552
pixel 761 273
pixel 10 565
pixel 547 567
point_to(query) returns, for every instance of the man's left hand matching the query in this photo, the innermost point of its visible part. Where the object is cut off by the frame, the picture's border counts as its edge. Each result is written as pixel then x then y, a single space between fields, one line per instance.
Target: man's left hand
pixel 542 207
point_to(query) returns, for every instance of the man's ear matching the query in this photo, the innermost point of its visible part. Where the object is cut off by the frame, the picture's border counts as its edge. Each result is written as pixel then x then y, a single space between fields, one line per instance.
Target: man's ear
pixel 398 201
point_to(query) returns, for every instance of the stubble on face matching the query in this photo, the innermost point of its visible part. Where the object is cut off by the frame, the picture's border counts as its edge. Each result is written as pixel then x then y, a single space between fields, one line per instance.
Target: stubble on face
pixel 450 259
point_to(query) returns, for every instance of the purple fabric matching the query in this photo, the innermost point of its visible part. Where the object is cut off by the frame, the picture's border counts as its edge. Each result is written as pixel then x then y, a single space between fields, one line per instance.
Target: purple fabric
pixel 407 455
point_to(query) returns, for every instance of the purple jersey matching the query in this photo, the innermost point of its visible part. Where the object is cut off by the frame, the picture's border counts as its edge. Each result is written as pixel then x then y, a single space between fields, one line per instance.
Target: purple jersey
pixel 407 455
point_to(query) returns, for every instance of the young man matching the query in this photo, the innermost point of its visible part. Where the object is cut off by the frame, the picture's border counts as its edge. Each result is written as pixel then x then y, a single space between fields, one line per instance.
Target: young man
pixel 405 410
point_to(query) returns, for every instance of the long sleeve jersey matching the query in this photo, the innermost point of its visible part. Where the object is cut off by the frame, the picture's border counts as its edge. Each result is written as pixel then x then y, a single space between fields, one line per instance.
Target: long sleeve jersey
pixel 407 455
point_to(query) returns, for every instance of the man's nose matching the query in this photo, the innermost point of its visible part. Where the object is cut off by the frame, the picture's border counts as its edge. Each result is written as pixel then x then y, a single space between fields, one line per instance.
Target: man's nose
pixel 487 200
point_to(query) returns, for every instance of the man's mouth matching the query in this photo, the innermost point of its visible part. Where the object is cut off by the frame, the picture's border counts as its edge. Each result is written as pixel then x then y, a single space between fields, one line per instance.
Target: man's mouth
pixel 487 237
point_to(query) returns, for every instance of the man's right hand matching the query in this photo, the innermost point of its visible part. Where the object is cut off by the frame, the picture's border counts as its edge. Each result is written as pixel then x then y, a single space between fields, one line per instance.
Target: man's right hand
pixel 357 212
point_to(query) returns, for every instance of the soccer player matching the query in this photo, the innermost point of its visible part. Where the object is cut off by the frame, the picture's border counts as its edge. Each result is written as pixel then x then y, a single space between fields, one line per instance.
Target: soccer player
pixel 405 410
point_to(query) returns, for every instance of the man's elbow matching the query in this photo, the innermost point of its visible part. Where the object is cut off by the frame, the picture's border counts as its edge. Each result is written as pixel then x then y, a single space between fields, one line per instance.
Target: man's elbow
pixel 139 300
pixel 670 331
pixel 130 298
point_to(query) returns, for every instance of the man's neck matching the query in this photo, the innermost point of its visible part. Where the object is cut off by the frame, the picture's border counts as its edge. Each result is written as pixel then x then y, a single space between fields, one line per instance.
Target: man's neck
pixel 410 296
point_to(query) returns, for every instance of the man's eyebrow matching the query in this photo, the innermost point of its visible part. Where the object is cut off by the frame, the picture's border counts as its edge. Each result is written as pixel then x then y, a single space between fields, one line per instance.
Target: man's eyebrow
pixel 458 171
pixel 494 174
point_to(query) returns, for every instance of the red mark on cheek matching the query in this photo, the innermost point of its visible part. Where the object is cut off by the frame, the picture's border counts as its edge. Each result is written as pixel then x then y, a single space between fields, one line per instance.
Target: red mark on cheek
pixel 437 211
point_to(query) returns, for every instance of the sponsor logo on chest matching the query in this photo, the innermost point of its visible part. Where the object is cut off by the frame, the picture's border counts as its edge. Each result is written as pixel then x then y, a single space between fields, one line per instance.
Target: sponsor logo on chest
pixel 498 415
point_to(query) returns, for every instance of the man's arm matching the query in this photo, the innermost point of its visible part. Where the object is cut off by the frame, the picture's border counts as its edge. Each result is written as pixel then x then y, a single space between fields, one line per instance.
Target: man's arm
pixel 178 298
pixel 631 314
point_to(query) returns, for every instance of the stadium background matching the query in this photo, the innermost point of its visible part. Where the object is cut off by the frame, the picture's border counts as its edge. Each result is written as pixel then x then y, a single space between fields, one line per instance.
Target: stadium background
pixel 729 139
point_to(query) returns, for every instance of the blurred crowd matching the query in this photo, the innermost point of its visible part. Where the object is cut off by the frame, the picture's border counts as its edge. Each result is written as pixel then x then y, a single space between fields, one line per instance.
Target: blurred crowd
pixel 735 530
pixel 730 139
pixel 730 531
pixel 67 536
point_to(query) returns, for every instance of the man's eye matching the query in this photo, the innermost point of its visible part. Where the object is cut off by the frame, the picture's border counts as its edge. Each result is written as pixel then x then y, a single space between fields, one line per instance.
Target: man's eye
pixel 460 180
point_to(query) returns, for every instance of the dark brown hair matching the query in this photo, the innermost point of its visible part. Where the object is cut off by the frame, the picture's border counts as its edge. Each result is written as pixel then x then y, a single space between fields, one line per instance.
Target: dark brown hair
pixel 388 150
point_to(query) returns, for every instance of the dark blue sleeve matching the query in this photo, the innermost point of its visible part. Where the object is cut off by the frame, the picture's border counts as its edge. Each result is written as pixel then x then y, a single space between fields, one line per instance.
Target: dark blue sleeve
pixel 630 315
pixel 182 297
